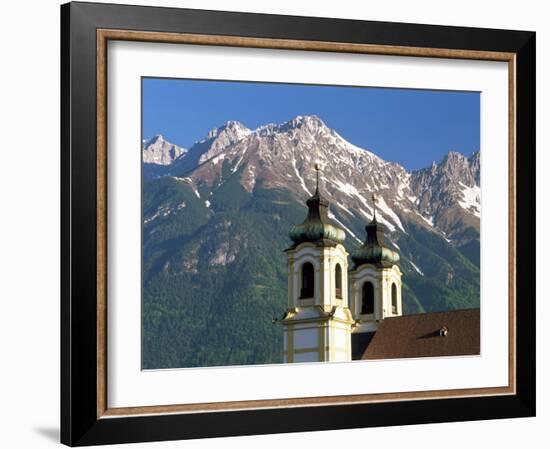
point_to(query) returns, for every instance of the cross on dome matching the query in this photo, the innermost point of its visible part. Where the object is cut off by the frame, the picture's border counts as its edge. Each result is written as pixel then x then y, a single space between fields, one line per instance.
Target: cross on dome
pixel 317 170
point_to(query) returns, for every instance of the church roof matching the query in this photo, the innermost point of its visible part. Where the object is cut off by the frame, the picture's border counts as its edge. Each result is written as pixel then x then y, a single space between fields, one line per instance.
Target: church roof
pixel 317 227
pixel 434 334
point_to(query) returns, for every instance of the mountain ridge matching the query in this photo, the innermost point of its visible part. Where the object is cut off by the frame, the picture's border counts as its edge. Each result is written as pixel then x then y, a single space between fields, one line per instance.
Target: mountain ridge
pixel 232 141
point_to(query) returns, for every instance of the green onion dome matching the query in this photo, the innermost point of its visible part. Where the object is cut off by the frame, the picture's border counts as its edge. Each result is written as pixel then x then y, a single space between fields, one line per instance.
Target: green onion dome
pixel 374 251
pixel 317 227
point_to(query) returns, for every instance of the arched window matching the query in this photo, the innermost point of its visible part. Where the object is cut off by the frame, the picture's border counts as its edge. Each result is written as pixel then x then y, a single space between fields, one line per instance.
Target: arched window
pixel 338 280
pixel 308 286
pixel 393 298
pixel 367 300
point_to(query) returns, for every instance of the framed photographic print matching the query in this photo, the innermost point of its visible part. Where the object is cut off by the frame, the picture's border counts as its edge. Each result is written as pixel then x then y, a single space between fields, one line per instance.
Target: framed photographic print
pixel 277 224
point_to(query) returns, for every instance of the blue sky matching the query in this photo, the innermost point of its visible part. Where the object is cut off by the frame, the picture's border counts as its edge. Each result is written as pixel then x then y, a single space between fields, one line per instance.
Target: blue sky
pixel 411 127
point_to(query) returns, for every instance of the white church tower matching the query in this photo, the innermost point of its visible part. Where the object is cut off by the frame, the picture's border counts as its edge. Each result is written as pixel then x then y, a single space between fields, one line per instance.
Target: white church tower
pixel 375 280
pixel 318 321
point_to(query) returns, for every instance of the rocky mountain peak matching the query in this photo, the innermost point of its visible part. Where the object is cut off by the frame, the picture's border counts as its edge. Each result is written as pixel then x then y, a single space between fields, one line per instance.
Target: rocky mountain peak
pixel 475 160
pixel 158 151
pixel 157 138
pixel 305 123
pixel 453 158
pixel 231 129
pixel 222 137
pixel 455 167
pixel 449 192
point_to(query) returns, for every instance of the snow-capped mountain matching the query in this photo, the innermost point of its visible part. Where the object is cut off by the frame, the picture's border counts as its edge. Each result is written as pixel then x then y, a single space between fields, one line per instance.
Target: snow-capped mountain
pixel 444 197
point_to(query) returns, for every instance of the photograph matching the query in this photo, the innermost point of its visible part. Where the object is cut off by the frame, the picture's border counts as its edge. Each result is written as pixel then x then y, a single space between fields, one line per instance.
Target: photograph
pixel 303 223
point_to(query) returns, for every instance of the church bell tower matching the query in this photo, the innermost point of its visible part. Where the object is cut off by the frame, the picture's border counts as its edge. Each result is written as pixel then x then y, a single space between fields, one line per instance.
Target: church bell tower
pixel 375 280
pixel 318 322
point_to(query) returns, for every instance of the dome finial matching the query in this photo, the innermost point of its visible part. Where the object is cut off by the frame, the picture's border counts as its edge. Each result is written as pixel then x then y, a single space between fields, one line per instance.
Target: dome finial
pixel 374 198
pixel 317 170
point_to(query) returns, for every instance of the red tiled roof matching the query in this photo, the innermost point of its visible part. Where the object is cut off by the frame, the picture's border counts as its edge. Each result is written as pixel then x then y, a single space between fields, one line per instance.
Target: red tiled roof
pixel 419 335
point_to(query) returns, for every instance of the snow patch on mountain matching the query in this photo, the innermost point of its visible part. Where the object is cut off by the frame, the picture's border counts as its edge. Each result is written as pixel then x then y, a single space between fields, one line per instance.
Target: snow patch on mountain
pixel 418 270
pixel 382 205
pixel 187 180
pixel 345 209
pixel 429 220
pixel 302 182
pixel 352 191
pixel 237 165
pixel 217 159
pixel 248 180
pixel 346 188
pixel 164 211
pixel 348 230
pixel 389 226
pixel 471 199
